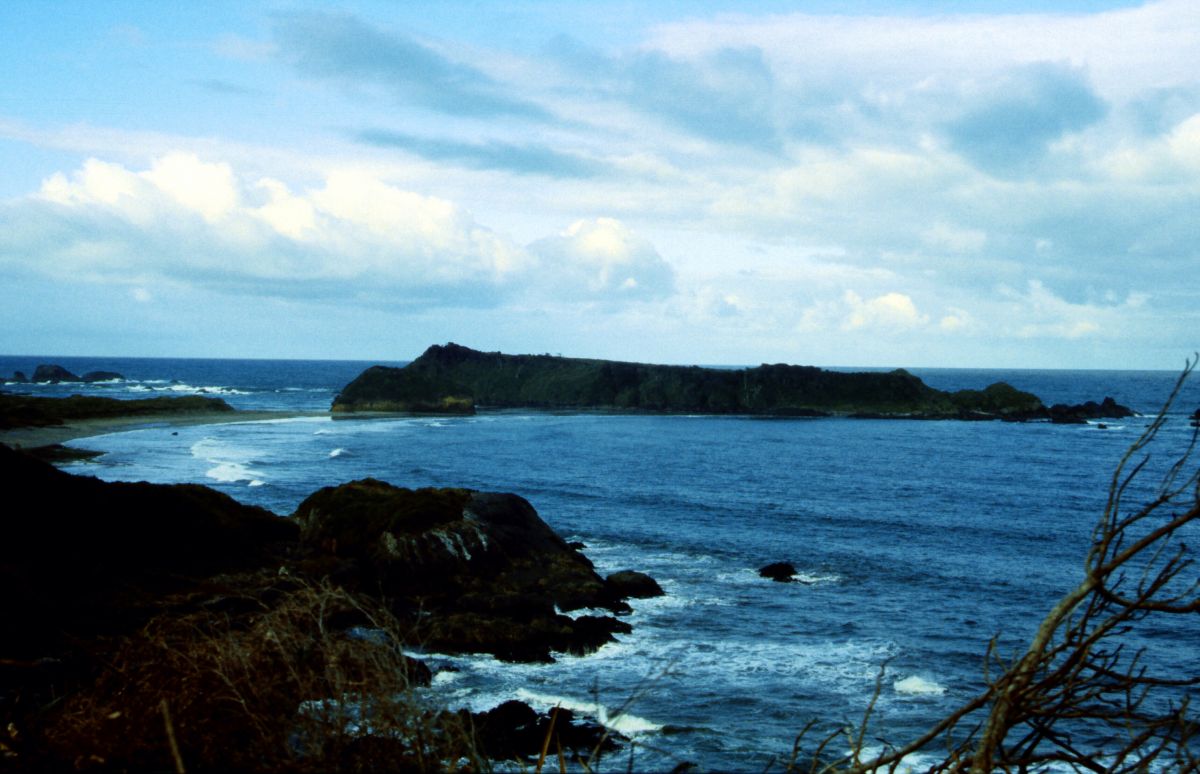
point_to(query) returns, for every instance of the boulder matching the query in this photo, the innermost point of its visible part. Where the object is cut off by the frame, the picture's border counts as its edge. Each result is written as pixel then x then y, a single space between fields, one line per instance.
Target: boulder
pixel 1080 413
pixel 100 376
pixel 514 731
pixel 475 571
pixel 53 374
pixel 631 584
pixel 782 572
pixel 19 377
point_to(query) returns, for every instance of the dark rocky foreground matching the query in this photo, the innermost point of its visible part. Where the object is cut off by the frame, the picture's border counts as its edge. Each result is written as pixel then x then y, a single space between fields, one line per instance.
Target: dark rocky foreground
pixel 453 379
pixel 150 624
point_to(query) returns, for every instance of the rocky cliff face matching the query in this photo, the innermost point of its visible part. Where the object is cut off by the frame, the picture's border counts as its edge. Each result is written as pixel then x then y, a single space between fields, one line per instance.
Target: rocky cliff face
pixel 474 571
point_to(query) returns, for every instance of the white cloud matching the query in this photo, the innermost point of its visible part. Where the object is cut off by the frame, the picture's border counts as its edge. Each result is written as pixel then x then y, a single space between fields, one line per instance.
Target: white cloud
pixel 888 312
pixel 208 189
pixel 603 259
pixel 198 221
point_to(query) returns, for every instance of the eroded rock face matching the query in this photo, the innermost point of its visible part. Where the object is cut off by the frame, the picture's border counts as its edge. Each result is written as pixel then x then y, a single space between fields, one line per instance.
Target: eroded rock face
pixel 475 571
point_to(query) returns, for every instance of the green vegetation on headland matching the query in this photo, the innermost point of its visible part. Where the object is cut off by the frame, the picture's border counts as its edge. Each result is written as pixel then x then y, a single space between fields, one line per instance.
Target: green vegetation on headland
pixel 453 379
pixel 33 411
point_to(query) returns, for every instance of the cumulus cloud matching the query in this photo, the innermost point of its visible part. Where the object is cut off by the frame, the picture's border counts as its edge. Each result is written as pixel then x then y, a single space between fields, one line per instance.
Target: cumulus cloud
pixel 355 235
pixel 889 312
pixel 196 221
pixel 603 259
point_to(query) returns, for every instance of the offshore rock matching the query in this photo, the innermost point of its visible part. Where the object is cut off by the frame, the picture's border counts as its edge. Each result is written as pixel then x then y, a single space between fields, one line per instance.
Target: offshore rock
pixel 631 584
pixel 514 731
pixel 781 572
pixel 101 376
pixel 19 377
pixel 53 374
pixel 472 571
pixel 1080 413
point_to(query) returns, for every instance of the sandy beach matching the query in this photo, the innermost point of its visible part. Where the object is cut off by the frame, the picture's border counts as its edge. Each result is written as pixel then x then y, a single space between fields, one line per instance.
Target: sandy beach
pixel 34 437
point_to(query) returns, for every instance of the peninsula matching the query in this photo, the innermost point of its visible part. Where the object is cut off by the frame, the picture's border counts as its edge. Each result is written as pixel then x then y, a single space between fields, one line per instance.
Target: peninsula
pixel 453 379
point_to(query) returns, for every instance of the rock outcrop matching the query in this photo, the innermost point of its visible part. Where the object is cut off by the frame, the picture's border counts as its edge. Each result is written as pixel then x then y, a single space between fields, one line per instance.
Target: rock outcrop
pixel 475 571
pixel 53 374
pixel 82 557
pixel 121 597
pixel 781 572
pixel 1080 413
pixel 631 584
pixel 455 378
pixel 100 376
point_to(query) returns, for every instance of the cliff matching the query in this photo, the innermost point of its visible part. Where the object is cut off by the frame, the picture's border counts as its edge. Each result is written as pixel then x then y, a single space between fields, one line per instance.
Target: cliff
pixel 455 379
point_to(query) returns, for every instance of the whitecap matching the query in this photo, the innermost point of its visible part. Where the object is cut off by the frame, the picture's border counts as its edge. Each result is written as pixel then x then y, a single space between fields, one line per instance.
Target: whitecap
pixel 338 452
pixel 915 685
pixel 230 463
pixel 622 722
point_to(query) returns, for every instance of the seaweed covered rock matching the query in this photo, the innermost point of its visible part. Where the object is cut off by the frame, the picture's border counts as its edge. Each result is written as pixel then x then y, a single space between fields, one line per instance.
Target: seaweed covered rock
pixel 478 572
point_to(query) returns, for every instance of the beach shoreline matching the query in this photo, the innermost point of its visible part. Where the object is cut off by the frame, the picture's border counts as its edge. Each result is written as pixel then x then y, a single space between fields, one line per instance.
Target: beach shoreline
pixel 28 438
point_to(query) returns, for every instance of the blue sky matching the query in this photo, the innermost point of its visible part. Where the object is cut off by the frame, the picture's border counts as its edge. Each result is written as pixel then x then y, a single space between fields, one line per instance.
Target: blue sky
pixel 1010 184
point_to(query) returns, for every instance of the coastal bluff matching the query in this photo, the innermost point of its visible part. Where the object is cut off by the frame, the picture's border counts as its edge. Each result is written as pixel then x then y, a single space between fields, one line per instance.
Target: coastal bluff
pixel 453 379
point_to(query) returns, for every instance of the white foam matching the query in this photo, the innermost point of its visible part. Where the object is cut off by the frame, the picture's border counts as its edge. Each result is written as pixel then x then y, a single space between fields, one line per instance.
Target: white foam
pixel 619 721
pixel 915 685
pixel 230 464
pixel 909 764
pixel 337 452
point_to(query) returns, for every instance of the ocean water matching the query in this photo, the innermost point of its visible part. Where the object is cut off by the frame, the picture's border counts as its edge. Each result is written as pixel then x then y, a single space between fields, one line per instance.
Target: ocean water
pixel 917 542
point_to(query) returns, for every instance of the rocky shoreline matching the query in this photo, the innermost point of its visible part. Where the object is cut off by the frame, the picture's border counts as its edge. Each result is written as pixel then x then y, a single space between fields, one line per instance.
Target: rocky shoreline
pixel 110 582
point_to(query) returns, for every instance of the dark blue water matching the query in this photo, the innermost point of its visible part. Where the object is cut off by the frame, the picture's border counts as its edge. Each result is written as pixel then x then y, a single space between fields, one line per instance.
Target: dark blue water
pixel 918 541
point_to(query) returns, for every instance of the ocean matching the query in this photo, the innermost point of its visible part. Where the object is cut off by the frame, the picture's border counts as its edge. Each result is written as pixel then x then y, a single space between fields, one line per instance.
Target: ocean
pixel 917 542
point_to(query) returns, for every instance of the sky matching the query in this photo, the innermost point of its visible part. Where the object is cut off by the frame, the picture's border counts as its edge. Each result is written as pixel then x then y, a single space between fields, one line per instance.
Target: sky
pixel 986 184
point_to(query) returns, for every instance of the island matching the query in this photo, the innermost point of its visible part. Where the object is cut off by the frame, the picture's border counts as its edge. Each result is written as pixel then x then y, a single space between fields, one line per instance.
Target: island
pixel 453 379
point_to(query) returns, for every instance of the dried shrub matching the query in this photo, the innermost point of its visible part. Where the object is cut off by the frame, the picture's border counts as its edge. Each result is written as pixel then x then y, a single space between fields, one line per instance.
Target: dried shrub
pixel 314 681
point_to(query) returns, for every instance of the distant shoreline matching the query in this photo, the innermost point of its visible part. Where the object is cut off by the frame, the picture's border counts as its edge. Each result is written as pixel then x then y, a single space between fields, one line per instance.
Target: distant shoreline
pixel 76 429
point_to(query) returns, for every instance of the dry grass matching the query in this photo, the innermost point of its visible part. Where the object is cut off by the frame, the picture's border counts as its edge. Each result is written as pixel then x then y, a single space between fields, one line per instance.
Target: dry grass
pixel 293 687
